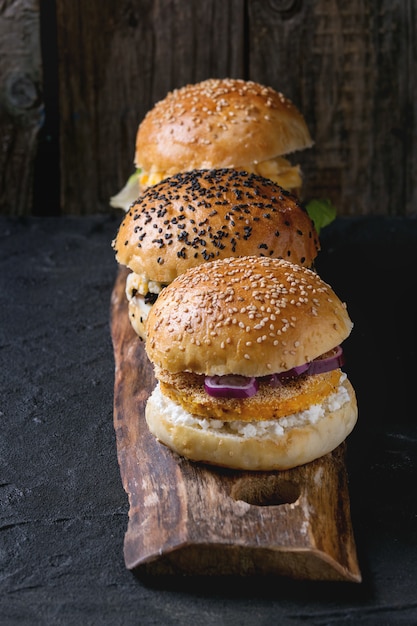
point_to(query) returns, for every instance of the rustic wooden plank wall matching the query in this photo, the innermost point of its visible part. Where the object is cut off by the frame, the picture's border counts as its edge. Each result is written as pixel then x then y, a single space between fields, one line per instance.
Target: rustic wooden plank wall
pixel 77 77
pixel 21 103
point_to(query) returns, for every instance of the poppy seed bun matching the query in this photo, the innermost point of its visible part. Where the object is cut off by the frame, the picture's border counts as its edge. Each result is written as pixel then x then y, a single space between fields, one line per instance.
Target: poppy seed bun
pixel 202 215
pixel 250 315
pixel 198 216
pixel 219 123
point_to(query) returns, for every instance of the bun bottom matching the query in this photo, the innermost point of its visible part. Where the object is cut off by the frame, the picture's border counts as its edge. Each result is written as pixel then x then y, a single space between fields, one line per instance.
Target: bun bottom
pixel 279 445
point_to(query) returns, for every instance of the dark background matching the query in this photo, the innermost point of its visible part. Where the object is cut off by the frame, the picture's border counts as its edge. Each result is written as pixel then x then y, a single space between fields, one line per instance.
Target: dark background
pixel 63 509
pixel 76 78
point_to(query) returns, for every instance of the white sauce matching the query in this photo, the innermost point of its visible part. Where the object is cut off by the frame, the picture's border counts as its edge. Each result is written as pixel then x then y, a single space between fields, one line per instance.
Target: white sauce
pixel 138 283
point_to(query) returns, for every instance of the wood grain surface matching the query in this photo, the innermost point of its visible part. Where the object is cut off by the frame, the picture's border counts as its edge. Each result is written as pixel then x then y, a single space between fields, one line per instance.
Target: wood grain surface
pixel 189 518
pixel 76 79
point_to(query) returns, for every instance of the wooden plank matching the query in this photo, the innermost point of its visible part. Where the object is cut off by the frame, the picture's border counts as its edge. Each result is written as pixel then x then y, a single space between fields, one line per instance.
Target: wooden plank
pixel 117 60
pixel 344 64
pixel 189 518
pixel 347 66
pixel 20 104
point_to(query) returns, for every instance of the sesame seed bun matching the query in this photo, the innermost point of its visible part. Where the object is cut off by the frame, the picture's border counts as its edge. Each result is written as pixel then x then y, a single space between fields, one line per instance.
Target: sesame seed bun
pixel 218 123
pixel 249 316
pixel 222 123
pixel 198 216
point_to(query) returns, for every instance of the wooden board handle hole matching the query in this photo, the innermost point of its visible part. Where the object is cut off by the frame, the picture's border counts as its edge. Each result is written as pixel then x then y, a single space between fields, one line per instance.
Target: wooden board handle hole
pixel 265 491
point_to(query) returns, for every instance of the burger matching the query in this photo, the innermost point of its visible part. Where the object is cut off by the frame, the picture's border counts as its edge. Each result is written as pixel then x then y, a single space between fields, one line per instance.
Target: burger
pixel 198 216
pixel 218 123
pixel 248 361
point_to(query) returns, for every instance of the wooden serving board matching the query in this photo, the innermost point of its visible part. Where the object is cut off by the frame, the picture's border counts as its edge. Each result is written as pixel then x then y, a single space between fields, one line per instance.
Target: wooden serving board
pixel 190 518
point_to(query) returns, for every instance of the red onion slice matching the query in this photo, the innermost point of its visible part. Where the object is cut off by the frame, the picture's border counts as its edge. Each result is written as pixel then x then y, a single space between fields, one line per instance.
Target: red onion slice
pixel 293 372
pixel 236 386
pixel 272 380
pixel 329 361
pixel 231 386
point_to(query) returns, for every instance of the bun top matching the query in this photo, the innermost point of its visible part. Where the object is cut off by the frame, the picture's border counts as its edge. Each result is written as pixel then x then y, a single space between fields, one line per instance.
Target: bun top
pixel 219 123
pixel 249 315
pixel 202 215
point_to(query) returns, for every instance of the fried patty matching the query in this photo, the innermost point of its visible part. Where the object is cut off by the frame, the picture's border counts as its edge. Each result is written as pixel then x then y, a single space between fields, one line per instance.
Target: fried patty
pixel 270 402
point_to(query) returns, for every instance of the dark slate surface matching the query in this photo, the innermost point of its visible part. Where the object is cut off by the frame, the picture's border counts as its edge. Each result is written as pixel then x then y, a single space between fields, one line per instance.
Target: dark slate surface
pixel 63 509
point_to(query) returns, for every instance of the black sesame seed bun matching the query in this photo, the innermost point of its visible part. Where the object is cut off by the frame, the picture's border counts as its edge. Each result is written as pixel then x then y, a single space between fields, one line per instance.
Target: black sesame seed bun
pixel 222 123
pixel 202 215
pixel 250 316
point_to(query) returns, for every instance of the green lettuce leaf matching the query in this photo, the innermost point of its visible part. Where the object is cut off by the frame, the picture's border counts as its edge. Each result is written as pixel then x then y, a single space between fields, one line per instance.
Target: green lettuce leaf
pixel 128 194
pixel 322 212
